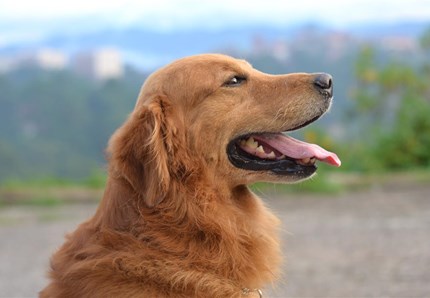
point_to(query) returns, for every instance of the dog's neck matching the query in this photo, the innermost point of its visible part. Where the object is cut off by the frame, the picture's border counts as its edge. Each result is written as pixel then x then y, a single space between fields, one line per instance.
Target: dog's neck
pixel 216 232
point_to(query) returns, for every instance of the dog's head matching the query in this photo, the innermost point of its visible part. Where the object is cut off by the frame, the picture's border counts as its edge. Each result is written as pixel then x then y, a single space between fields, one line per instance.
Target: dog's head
pixel 219 117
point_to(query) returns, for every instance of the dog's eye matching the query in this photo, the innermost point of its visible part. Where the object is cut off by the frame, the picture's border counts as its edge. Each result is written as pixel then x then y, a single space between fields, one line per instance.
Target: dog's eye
pixel 235 81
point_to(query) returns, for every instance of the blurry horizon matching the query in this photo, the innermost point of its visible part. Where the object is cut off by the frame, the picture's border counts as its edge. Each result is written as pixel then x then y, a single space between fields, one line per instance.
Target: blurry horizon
pixel 27 26
pixel 29 21
pixel 148 42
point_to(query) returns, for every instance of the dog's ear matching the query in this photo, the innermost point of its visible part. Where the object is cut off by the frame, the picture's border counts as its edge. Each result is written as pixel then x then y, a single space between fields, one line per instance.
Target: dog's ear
pixel 140 149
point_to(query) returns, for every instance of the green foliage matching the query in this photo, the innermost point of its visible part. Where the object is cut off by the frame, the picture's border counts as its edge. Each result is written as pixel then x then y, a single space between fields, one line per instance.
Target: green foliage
pixel 57 124
pixel 425 40
pixel 407 144
pixel 96 180
pixel 42 201
pixel 393 108
pixel 40 183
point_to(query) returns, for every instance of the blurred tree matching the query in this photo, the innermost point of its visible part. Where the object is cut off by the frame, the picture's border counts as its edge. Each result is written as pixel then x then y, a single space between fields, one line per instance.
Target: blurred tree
pixel 393 108
pixel 57 124
pixel 425 40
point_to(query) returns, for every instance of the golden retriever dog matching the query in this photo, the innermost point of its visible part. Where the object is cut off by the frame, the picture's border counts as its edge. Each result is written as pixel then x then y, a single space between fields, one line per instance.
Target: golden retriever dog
pixel 177 218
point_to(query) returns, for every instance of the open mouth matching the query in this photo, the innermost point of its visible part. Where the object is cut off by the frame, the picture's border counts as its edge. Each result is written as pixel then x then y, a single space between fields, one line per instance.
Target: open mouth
pixel 278 153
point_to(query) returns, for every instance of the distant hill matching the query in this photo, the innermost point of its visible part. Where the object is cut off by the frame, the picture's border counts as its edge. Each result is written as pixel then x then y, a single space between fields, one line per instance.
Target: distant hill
pixel 150 48
pixel 406 29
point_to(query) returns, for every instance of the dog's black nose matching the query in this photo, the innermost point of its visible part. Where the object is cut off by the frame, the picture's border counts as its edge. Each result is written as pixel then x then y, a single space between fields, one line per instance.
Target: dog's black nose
pixel 324 82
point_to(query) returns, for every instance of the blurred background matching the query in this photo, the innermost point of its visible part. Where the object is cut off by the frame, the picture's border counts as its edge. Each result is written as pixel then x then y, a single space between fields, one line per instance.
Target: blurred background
pixel 70 74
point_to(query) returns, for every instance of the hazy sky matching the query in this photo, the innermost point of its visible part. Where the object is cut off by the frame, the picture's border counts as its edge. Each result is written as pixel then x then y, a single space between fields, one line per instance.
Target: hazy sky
pixel 32 20
pixel 171 13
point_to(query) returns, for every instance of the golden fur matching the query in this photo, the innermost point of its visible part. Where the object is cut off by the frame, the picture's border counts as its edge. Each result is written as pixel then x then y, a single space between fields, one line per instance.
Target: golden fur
pixel 177 219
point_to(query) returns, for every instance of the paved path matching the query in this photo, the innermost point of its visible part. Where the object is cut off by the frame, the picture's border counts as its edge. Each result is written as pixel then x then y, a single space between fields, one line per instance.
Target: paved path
pixel 367 244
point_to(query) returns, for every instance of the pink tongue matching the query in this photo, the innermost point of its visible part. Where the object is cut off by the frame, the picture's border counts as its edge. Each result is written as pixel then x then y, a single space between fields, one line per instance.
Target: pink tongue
pixel 298 149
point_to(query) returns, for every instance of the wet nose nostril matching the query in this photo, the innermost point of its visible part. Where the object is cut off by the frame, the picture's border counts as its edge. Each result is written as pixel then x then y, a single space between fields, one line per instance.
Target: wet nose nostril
pixel 324 82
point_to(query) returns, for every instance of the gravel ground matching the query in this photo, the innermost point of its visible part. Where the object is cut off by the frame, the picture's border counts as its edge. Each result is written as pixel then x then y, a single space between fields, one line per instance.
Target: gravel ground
pixel 366 244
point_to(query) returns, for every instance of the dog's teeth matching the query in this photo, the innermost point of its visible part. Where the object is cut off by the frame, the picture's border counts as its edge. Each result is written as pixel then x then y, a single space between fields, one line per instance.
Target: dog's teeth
pixel 282 157
pixel 305 160
pixel 260 149
pixel 271 155
pixel 251 143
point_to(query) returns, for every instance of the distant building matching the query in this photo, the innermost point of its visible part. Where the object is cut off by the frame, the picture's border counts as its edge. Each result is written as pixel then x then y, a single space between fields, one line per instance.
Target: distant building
pixel 400 44
pixel 99 64
pixel 281 50
pixel 277 48
pixel 49 59
pixel 338 44
pixel 44 58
